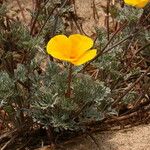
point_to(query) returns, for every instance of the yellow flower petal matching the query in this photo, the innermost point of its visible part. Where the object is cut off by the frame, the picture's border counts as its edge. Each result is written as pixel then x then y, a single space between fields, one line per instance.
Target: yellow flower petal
pixel 80 44
pixel 142 4
pixel 137 3
pixel 74 49
pixel 59 47
pixel 90 54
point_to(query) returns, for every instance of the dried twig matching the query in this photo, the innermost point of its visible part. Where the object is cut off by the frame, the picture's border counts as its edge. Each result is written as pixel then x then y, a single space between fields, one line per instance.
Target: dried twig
pixel 22 12
pixel 76 23
pixel 8 143
pixel 23 146
pixel 130 88
pixel 7 134
pixel 95 13
pixel 57 16
pixel 36 17
pixel 46 20
pixel 142 48
pixel 94 140
pixel 110 40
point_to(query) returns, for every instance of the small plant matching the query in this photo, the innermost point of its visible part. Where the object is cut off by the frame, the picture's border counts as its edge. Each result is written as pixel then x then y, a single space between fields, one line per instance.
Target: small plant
pixel 60 83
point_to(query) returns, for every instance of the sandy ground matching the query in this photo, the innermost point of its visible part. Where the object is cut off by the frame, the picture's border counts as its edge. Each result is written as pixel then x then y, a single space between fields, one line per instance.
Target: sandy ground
pixel 136 138
pixel 92 14
pixel 23 14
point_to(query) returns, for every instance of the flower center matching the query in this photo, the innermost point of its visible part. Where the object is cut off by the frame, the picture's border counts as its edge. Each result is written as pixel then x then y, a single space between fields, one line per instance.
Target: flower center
pixel 72 57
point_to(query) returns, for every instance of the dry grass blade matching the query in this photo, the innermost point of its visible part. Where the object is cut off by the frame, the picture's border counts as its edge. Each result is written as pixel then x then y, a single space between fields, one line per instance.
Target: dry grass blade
pixel 8 143
pixel 7 134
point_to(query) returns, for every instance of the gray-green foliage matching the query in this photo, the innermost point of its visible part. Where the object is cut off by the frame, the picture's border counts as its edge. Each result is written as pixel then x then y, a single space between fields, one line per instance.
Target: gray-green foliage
pixel 6 88
pixel 129 13
pixel 55 109
pixel 116 65
pixel 31 86
pixel 13 93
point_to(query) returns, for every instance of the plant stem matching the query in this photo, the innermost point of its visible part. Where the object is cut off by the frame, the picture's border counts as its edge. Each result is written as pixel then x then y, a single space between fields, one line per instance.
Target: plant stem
pixel 39 10
pixel 68 94
pixel 50 134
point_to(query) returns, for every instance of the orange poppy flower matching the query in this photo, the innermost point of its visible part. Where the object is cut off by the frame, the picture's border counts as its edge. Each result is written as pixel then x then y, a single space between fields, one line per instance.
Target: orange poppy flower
pixel 137 3
pixel 74 49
